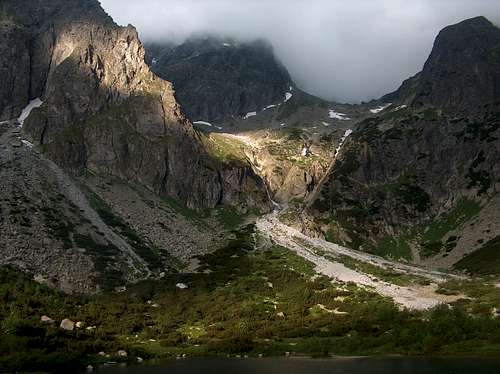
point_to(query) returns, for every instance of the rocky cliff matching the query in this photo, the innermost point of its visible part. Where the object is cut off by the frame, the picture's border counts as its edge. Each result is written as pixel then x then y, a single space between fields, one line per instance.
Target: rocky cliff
pixel 105 117
pixel 412 178
pixel 216 79
pixel 462 73
pixel 104 111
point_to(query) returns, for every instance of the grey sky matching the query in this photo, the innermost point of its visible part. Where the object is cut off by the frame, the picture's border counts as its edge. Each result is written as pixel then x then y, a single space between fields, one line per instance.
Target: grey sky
pixel 347 50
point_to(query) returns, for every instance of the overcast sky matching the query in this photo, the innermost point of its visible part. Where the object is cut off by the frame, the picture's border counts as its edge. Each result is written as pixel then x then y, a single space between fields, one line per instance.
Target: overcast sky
pixel 345 50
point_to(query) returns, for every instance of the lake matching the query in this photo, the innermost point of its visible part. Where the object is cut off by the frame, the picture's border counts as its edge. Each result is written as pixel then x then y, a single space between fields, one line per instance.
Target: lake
pixel 399 365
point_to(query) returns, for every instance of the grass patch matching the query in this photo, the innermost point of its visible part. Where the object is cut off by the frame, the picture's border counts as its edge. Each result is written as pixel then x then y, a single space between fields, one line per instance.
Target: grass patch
pixel 484 261
pixel 145 251
pixel 226 149
pixel 386 275
pixel 229 217
pixel 431 240
pixel 395 248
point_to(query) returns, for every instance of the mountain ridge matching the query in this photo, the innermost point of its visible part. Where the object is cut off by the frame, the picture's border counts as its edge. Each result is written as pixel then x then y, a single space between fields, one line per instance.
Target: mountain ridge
pixel 420 162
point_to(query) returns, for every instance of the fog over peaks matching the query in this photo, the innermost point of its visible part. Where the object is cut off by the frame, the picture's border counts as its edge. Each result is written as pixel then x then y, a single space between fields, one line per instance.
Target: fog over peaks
pixel 339 50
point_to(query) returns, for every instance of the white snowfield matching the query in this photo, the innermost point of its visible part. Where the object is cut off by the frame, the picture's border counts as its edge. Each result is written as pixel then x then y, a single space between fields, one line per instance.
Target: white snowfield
pixel 380 108
pixel 35 103
pixel 326 124
pixel 336 115
pixel 250 114
pixel 288 96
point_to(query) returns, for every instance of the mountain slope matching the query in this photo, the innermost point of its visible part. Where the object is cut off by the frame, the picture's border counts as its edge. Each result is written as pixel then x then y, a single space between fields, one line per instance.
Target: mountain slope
pixel 462 73
pixel 104 110
pixel 97 111
pixel 411 179
pixel 216 79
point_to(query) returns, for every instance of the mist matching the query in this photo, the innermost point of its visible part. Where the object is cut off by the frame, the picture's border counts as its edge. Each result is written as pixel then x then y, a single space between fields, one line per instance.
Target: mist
pixel 348 51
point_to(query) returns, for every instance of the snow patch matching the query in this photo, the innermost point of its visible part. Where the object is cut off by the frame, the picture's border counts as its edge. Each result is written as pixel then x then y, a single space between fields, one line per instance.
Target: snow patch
pixel 35 103
pixel 326 124
pixel 269 107
pixel 380 108
pixel 181 286
pixel 27 143
pixel 202 123
pixel 336 115
pixel 226 45
pixel 399 108
pixel 347 133
pixel 283 124
pixel 288 96
pixel 250 114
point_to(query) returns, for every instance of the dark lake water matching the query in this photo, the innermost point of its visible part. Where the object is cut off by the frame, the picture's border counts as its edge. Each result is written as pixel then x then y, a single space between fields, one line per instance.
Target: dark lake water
pixel 317 366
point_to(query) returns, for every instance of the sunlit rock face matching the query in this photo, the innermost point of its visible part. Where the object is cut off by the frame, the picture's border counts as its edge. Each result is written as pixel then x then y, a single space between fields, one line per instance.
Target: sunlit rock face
pixel 104 110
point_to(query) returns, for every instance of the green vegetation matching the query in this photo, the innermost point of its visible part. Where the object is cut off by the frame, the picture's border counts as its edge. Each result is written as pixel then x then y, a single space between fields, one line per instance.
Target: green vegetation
pixel 414 195
pixel 386 275
pixel 190 214
pixel 484 261
pixel 481 297
pixel 431 240
pixel 226 149
pixel 482 131
pixel 229 217
pixel 4 15
pixel 144 250
pixel 242 301
pixel 396 248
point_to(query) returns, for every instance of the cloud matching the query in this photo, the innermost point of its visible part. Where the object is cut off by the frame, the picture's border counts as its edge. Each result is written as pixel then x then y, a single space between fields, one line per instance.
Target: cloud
pixel 340 50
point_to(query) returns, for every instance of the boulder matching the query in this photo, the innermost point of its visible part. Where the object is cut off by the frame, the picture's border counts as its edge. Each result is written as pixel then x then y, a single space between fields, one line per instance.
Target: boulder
pixel 47 320
pixel 67 324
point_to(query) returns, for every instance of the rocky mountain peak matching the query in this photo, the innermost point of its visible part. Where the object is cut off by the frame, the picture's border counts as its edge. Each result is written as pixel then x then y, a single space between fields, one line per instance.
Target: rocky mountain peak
pixel 219 78
pixel 462 73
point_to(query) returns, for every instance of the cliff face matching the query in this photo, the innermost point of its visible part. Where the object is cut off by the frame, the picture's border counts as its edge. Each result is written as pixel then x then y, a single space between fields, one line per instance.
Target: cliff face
pixel 462 73
pixel 216 79
pixel 410 180
pixel 106 112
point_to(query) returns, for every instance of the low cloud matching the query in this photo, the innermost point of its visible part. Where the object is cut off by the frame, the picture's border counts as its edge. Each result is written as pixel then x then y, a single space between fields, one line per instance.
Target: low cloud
pixel 339 50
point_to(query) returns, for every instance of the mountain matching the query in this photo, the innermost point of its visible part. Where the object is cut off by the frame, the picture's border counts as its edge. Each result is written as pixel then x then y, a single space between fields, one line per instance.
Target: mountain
pixel 462 73
pixel 216 78
pixel 92 106
pixel 419 180
pixel 228 86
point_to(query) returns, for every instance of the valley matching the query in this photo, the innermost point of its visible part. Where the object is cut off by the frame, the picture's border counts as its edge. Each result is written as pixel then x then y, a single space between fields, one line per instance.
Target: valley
pixel 165 200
